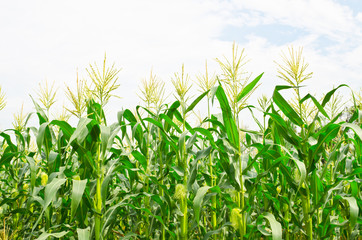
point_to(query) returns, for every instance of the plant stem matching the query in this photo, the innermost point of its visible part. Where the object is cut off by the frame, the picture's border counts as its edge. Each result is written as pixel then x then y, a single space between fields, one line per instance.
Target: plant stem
pixel 213 182
pixel 147 181
pixel 184 222
pixel 163 230
pixel 307 219
pixel 98 200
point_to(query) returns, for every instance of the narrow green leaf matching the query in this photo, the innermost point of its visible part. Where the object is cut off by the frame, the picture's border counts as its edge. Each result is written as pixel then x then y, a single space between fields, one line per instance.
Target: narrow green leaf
pixel 229 122
pixel 110 217
pixel 39 111
pixel 320 107
pixel 285 107
pixel 199 198
pixel 330 94
pixel 140 158
pixel 77 194
pixel 81 131
pixel 6 158
pixel 50 192
pixel 249 87
pixel 324 137
pixel 355 128
pixel 105 136
pixel 203 153
pixel 83 234
pixel 170 122
pixel 64 127
pixel 40 138
pixel 353 210
pixel 207 134
pixel 45 236
pixel 276 227
pixel 196 101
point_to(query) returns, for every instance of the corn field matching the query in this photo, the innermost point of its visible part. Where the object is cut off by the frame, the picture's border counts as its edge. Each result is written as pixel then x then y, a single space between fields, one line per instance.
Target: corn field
pixel 155 174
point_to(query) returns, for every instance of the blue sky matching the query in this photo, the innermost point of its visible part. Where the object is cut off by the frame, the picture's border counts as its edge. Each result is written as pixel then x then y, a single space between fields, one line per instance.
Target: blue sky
pixel 48 40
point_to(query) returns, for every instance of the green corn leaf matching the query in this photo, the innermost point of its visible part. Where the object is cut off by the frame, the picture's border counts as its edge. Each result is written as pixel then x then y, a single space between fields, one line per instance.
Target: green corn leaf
pixel 229 122
pixel 203 153
pixel 289 177
pixel 7 138
pixel 170 113
pixel 154 122
pixel 249 87
pixel 302 170
pixel 110 218
pixel 105 136
pixel 114 132
pixel 170 122
pixel 182 142
pixel 178 116
pixel 81 131
pixel 328 96
pixel 315 101
pixel 207 134
pixel 50 192
pixel 217 231
pixel 282 129
pixel 173 236
pixel 39 111
pixel 77 194
pixel 285 107
pixel 43 137
pixel 276 227
pixel 6 158
pixel 194 168
pixel 190 143
pixel 355 128
pixel 137 133
pixel 111 166
pixel 33 168
pixel 45 236
pixel 83 233
pixel 196 101
pixel 140 158
pixel 353 209
pixel 198 200
pixel 126 114
pixel 324 137
pixel 65 127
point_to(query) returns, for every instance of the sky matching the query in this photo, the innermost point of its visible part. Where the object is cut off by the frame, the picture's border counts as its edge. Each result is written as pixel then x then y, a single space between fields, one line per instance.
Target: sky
pixel 44 40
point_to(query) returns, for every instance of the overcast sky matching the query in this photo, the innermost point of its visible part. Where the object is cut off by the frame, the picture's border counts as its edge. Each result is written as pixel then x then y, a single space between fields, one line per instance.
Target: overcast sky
pixel 50 40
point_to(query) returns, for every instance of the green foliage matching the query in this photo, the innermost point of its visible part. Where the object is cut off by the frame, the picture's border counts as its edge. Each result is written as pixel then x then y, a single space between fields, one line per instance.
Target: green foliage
pixel 160 177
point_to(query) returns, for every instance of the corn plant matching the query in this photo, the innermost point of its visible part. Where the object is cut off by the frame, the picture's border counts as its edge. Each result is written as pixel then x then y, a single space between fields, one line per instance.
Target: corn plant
pixel 153 174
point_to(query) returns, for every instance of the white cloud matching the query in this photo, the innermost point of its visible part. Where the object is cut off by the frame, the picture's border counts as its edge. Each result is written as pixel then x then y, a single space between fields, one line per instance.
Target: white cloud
pixel 50 40
pixel 323 17
pixel 47 40
pixel 359 16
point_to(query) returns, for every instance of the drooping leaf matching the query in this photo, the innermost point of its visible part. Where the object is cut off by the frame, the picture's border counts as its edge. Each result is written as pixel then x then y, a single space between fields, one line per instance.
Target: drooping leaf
pixel 198 200
pixel 51 190
pixel 285 107
pixel 83 233
pixel 77 194
pixel 45 236
pixel 276 227
pixel 229 122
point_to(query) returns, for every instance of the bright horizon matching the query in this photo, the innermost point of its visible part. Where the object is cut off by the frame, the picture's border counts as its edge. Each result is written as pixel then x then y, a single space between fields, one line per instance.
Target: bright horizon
pixel 43 40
